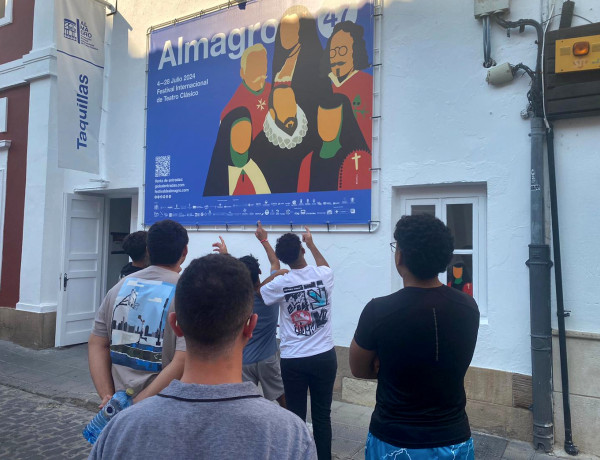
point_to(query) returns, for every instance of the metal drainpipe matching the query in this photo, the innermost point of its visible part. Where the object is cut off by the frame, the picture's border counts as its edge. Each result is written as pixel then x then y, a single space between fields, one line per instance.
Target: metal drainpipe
pixel 539 262
pixel 539 297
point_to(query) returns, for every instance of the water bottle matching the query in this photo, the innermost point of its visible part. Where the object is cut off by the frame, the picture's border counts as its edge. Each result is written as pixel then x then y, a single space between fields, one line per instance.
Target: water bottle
pixel 120 400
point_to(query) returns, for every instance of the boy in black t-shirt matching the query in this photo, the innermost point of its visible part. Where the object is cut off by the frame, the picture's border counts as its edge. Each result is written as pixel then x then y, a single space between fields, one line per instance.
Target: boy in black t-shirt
pixel 418 343
pixel 134 245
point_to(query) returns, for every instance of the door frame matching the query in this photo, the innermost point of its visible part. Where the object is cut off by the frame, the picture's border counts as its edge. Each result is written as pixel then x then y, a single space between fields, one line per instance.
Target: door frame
pixel 65 234
pixel 106 238
pixel 107 195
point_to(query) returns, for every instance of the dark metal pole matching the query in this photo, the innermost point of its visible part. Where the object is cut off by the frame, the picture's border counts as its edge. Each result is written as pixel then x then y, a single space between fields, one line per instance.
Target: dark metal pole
pixel 570 448
pixel 539 262
pixel 539 297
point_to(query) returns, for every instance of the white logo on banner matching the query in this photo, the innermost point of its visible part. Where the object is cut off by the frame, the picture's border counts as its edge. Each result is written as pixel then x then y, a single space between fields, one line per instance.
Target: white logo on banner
pixel 80 65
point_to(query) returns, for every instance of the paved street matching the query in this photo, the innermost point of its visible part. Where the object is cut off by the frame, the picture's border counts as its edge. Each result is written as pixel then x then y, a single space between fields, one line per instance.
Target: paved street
pixel 47 397
pixel 34 427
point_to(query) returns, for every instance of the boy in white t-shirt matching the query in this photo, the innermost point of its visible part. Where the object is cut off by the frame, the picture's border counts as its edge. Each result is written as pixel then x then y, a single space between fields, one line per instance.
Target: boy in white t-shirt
pixel 308 359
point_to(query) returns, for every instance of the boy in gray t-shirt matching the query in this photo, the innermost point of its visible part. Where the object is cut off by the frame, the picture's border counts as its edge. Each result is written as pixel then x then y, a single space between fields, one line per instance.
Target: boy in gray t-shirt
pixel 210 413
pixel 131 344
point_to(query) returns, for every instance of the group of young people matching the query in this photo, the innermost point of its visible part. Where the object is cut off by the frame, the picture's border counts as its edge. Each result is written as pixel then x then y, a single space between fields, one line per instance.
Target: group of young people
pixel 194 348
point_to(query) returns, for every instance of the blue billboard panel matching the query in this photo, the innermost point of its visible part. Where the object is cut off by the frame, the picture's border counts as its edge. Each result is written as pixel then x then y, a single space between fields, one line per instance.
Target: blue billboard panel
pixel 262 113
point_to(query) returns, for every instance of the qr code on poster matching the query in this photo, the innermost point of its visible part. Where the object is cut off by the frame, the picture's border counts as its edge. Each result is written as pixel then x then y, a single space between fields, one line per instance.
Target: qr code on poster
pixel 162 166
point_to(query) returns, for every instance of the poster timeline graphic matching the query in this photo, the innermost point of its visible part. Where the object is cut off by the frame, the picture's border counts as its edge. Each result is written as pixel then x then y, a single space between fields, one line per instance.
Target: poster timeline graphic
pixel 262 113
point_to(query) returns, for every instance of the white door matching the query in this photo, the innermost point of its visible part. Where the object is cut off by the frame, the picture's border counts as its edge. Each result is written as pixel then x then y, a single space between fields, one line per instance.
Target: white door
pixel 81 277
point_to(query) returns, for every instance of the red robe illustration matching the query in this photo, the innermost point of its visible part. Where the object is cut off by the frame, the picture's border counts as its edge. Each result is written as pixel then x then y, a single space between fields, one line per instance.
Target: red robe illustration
pixel 358 88
pixel 256 103
pixel 343 163
pixel 467 288
pixel 460 278
pixel 354 173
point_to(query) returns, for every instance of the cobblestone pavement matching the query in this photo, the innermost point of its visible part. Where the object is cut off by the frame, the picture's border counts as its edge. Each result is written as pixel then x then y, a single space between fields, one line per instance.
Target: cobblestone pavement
pixel 34 427
pixel 45 420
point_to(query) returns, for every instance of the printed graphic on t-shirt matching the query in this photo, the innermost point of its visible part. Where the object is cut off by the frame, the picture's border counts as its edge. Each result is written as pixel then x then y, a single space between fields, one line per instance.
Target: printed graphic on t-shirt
pixel 308 307
pixel 139 316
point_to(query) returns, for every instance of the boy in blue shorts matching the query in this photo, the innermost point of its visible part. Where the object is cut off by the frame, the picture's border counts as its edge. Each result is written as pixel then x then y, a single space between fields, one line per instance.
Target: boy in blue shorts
pixel 418 344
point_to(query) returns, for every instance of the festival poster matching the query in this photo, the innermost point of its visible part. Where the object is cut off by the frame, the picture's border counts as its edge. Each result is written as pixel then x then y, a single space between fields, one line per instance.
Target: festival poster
pixel 262 111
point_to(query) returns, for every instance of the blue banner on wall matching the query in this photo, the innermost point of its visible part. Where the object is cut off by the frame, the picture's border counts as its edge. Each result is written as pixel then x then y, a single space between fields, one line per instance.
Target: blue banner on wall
pixel 262 113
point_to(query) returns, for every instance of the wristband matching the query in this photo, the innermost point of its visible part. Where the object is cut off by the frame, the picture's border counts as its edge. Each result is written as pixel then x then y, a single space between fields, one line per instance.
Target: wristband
pixel 263 241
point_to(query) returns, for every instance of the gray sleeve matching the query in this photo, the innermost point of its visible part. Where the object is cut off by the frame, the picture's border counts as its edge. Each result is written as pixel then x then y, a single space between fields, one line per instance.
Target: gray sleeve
pixel 103 315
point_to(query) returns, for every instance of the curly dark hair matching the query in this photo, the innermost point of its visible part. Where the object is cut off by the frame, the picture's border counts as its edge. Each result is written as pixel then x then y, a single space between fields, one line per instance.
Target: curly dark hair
pixel 134 245
pixel 426 244
pixel 213 300
pixel 359 47
pixel 166 241
pixel 287 248
pixel 252 265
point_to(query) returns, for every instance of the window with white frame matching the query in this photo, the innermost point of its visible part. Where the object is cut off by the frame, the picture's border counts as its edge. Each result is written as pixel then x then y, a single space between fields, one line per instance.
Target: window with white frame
pixel 5 12
pixel 462 209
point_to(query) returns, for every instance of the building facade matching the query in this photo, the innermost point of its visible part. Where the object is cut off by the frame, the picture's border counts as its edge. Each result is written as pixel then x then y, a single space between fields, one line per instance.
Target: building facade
pixel 445 142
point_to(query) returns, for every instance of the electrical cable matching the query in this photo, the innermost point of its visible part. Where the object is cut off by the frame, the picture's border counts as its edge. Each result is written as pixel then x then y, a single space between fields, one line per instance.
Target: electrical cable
pixel 523 67
pixel 560 14
pixel 543 70
pixel 535 95
pixel 570 448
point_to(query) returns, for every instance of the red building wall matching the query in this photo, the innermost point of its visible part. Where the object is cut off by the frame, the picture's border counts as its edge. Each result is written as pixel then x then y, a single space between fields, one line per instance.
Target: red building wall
pixel 15 41
pixel 17 129
pixel 16 38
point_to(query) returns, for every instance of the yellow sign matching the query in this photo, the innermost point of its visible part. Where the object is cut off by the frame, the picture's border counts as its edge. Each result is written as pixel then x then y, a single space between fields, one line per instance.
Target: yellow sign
pixel 576 54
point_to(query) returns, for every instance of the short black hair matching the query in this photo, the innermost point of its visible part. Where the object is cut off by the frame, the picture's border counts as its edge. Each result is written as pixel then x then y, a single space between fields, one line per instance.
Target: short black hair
pixel 134 245
pixel 287 248
pixel 252 265
pixel 166 241
pixel 426 244
pixel 213 300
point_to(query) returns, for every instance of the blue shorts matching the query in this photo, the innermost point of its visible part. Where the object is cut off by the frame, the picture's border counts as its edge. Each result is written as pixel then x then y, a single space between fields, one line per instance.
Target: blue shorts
pixel 379 450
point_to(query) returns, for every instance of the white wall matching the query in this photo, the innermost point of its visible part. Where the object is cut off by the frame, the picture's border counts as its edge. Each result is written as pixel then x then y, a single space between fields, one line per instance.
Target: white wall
pixel 441 123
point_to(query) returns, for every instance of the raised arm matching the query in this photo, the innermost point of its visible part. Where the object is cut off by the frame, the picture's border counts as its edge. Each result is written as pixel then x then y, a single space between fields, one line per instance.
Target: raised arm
pixel 221 247
pixel 274 275
pixel 308 240
pixel 262 236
